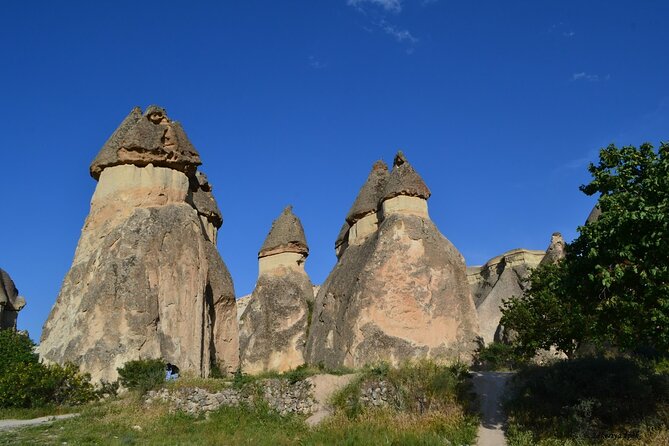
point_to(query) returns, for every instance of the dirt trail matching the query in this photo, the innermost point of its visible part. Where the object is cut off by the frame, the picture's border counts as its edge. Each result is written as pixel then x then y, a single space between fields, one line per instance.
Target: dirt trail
pixel 324 387
pixel 490 388
pixel 12 424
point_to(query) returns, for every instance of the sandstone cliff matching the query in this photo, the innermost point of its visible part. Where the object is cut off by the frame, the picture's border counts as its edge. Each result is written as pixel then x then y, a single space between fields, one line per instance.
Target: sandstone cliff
pixel 273 327
pixel 10 301
pixel 147 280
pixel 399 290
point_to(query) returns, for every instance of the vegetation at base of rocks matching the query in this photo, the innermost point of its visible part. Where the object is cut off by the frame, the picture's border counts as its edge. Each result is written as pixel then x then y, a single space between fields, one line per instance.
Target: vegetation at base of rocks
pixel 612 287
pixel 416 387
pixel 498 356
pixel 127 420
pixel 26 383
pixel 589 401
pixel 142 374
pixel 299 373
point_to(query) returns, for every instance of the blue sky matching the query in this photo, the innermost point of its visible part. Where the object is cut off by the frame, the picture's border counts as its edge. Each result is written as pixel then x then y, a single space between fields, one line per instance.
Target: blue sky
pixel 498 105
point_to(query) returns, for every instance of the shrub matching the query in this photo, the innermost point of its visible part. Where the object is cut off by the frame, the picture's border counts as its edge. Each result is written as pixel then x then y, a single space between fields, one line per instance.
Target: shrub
pixel 27 383
pixel 587 398
pixel 142 374
pixel 498 356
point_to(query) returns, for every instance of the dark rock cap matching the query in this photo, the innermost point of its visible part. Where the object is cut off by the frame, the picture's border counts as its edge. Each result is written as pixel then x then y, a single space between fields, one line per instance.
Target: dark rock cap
pixel 203 200
pixel 343 234
pixel 370 193
pixel 403 180
pixel 149 138
pixel 9 294
pixel 286 235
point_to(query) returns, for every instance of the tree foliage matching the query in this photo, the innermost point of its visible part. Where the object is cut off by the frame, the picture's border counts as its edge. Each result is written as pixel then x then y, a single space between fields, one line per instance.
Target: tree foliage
pixel 613 285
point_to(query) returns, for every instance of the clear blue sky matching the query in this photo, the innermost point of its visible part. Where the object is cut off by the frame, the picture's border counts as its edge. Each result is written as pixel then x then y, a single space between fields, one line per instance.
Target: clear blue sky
pixel 498 105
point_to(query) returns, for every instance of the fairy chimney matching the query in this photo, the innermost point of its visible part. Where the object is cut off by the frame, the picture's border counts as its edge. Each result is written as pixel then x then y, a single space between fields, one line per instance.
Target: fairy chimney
pixel 399 293
pixel 147 280
pixel 273 327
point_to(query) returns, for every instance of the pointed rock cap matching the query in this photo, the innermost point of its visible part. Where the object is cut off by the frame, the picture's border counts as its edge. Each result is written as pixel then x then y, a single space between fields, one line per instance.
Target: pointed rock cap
pixel 149 138
pixel 9 294
pixel 370 193
pixel 286 235
pixel 555 251
pixel 404 180
pixel 594 214
pixel 203 199
pixel 343 234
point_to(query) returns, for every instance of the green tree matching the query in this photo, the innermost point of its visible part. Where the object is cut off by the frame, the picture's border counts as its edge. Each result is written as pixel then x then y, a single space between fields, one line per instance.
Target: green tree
pixel 613 285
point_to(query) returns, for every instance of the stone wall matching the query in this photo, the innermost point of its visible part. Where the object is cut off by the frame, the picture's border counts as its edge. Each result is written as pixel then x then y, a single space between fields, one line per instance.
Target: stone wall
pixel 279 394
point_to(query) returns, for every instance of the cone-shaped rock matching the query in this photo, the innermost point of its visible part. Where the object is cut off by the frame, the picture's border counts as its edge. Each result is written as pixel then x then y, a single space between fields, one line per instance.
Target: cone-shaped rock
pixel 501 278
pixel 273 327
pixel 367 201
pixel 401 293
pixel 555 250
pixel 146 280
pixel 10 301
pixel 594 214
pixel 149 138
pixel 286 235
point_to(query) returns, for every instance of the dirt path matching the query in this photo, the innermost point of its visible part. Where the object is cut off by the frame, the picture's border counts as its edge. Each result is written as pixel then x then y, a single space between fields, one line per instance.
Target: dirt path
pixel 11 424
pixel 490 387
pixel 324 387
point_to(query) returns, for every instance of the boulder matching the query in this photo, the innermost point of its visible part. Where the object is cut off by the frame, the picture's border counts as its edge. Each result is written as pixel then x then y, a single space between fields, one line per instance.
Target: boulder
pixel 273 328
pixel 147 280
pixel 398 293
pixel 10 301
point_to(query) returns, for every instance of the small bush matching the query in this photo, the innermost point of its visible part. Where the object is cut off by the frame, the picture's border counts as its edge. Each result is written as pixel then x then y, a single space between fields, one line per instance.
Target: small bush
pixel 15 348
pixel 588 398
pixel 143 374
pixel 498 356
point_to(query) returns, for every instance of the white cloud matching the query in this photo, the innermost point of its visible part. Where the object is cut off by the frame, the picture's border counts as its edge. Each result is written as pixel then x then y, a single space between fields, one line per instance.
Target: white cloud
pixel 583 76
pixel 388 5
pixel 315 63
pixel 401 35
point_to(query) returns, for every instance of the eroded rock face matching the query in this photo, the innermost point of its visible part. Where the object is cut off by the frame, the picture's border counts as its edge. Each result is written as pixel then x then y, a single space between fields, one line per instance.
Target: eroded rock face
pixel 10 301
pixel 146 281
pixel 498 280
pixel 399 293
pixel 273 328
pixel 504 277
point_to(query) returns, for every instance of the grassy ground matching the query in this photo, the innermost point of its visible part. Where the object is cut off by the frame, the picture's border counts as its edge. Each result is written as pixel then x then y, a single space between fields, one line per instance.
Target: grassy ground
pixel 127 420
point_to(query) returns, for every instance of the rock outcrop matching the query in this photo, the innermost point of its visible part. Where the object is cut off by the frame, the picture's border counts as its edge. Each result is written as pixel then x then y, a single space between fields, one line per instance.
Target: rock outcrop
pixel 498 280
pixel 399 289
pixel 273 328
pixel 147 280
pixel 10 301
pixel 504 277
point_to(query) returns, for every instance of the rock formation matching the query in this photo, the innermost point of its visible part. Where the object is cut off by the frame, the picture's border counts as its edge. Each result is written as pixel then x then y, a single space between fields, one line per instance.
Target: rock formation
pixel 10 301
pixel 498 280
pixel 273 327
pixel 504 277
pixel 147 280
pixel 399 289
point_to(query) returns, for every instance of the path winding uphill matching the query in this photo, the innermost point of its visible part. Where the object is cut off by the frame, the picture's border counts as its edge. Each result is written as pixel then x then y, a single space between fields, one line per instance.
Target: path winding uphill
pixel 12 424
pixel 490 388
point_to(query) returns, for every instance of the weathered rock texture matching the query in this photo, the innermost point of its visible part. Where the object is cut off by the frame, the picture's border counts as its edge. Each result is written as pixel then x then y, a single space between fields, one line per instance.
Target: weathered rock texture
pixel 273 328
pixel 504 277
pixel 10 301
pixel 400 292
pixel 146 280
pixel 499 279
